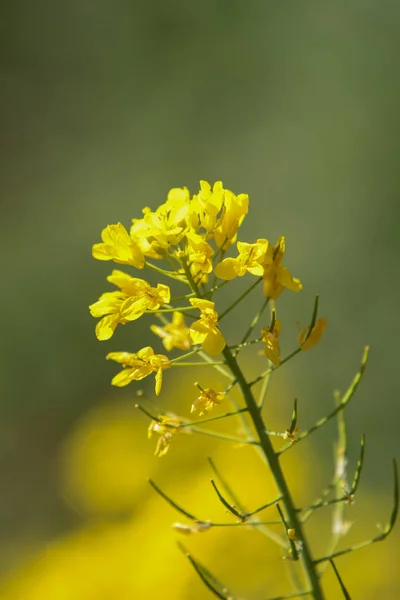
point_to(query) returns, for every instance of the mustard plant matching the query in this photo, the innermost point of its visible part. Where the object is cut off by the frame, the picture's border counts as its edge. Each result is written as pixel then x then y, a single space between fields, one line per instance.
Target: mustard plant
pixel 185 241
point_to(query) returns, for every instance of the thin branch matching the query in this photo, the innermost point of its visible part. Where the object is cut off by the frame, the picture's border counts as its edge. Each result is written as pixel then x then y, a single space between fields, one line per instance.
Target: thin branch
pixel 209 580
pixel 249 516
pixel 323 504
pixel 144 411
pixel 294 418
pixel 197 364
pixel 255 320
pixel 274 368
pixel 170 274
pixel 241 297
pixel 170 310
pixel 360 464
pixel 245 524
pixel 215 418
pixel 184 356
pixel 340 580
pixel 264 389
pixel 293 549
pixel 313 317
pixel 172 502
pixel 296 595
pixel 228 490
pixel 228 506
pixel 224 436
pixel 343 403
pixel 381 536
pixel 217 367
pixel 319 500
pixel 260 508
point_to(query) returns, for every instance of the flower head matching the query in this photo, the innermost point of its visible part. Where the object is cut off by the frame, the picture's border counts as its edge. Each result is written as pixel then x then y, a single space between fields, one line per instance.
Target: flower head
pixel 174 334
pixel 270 339
pixel 276 276
pixel 219 211
pixel 307 339
pixel 137 366
pixel 199 257
pixel 164 228
pixel 205 331
pixel 206 401
pixel 235 210
pixel 165 427
pixel 249 260
pixel 118 246
pixel 207 205
pixel 134 297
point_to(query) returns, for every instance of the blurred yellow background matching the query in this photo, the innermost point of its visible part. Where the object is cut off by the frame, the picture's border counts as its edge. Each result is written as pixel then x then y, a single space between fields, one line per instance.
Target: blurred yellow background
pixel 105 107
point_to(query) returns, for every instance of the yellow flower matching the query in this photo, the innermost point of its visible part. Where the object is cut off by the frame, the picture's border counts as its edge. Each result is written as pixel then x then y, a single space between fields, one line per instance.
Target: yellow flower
pixel 199 257
pixel 108 306
pixel 134 298
pixel 276 276
pixel 270 339
pixel 314 337
pixel 164 228
pixel 118 246
pixel 206 206
pixel 249 260
pixel 175 334
pixel 137 366
pixel 166 427
pixel 205 331
pixel 207 400
pixel 235 210
pixel 147 298
pixel 219 211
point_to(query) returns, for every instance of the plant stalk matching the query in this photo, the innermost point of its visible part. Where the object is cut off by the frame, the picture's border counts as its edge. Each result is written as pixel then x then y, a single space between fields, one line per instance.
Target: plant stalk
pixel 272 459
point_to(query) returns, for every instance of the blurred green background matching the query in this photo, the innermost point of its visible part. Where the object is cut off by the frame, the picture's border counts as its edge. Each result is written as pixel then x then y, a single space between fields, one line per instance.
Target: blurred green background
pixel 107 105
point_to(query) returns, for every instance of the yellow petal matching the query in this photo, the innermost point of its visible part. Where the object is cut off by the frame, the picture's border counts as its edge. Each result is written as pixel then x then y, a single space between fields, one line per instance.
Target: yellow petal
pixel 159 375
pixel 145 353
pixel 272 352
pixel 124 358
pixel 164 292
pixel 99 251
pixel 108 302
pixel 106 327
pixel 196 336
pixel 256 269
pixel 130 285
pixel 133 308
pixel 122 378
pixel 178 194
pixel 228 269
pixel 315 335
pixel 214 343
pixel 288 281
pixel 202 304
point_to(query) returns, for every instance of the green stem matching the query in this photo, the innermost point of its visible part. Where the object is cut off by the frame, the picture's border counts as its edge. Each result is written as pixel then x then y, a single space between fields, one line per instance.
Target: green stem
pixel 255 320
pixel 271 369
pixel 173 361
pixel 170 274
pixel 169 310
pixel 224 436
pixel 215 418
pixel 197 364
pixel 232 306
pixel 274 464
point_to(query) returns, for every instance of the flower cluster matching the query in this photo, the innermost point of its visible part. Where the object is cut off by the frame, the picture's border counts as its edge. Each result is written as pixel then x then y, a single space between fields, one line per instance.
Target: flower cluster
pixel 184 241
pixel 165 427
